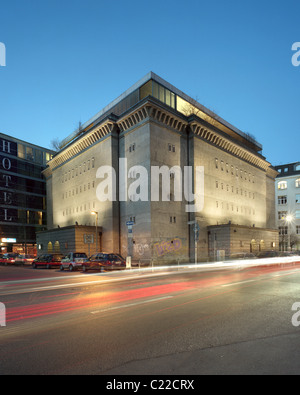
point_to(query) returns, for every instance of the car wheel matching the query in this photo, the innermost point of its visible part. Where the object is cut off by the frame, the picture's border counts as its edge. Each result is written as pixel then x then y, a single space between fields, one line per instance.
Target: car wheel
pixel 71 268
pixel 61 268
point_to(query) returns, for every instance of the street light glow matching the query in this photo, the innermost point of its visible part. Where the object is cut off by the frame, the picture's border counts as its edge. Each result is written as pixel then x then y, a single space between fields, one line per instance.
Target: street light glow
pixel 96 224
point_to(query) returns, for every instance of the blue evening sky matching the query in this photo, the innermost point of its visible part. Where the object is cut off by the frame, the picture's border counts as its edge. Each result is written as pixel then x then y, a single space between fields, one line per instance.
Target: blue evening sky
pixel 67 59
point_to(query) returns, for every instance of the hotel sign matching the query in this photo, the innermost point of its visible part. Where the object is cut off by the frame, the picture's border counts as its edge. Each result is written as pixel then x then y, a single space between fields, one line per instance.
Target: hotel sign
pixel 8 150
pixel 8 240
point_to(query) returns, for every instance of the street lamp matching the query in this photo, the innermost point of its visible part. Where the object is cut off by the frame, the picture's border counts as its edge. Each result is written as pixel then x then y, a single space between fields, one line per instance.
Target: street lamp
pixel 96 213
pixel 289 218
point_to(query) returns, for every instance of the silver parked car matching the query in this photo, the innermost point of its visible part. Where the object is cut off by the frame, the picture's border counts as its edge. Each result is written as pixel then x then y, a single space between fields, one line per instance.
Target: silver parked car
pixel 73 261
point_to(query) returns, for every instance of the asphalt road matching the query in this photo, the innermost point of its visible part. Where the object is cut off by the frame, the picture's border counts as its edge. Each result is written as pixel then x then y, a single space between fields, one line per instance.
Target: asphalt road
pixel 234 320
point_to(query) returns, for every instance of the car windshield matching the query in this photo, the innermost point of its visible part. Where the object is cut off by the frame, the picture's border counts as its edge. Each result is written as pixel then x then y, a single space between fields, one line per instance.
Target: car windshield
pixel 80 255
pixel 119 257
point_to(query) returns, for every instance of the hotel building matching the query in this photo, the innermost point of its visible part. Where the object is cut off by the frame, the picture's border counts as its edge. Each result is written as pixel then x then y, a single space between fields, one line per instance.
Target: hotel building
pixel 154 124
pixel 22 193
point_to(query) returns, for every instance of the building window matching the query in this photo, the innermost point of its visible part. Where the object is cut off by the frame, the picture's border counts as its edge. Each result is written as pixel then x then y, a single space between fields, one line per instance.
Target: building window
pixel 132 147
pixel 282 199
pixel 21 151
pixel 282 215
pixel 297 183
pixel 217 163
pixel 283 230
pixel 297 167
pixel 50 247
pixel 29 153
pixel 171 148
pixel 282 185
pixel 298 229
pixel 297 214
pixel 298 198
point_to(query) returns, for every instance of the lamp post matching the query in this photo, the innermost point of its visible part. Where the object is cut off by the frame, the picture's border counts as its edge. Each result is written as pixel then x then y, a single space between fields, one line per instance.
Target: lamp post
pixel 96 221
pixel 289 218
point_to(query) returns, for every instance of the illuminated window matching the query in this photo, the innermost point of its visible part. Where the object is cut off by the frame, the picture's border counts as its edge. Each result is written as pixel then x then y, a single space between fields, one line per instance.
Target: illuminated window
pixel 21 151
pixel 282 185
pixel 56 246
pixel 161 93
pixel 297 183
pixel 50 247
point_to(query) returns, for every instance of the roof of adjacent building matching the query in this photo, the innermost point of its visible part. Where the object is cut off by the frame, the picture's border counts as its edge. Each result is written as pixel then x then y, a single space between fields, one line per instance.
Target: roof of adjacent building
pixel 289 169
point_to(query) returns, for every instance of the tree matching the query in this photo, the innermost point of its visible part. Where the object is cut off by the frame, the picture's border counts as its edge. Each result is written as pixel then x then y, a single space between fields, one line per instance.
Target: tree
pixel 55 144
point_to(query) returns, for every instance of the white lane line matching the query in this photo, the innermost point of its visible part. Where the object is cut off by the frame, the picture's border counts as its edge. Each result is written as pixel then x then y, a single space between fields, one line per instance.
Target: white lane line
pixel 130 304
pixel 240 282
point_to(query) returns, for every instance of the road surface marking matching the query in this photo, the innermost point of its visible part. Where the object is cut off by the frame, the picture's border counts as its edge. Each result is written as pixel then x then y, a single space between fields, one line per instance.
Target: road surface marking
pixel 130 304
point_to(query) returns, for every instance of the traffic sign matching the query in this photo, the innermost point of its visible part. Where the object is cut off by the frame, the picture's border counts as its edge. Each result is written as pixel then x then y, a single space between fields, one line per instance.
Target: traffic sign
pixel 129 223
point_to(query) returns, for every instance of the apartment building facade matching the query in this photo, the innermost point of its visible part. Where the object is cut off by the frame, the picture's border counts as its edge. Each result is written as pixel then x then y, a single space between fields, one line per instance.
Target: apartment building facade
pixel 151 127
pixel 287 189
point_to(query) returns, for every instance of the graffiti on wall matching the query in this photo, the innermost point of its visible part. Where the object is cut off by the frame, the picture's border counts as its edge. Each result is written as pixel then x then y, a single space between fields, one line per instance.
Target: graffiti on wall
pixel 167 247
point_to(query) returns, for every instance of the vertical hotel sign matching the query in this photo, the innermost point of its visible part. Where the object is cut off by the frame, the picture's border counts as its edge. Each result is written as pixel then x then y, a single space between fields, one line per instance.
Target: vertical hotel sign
pixel 8 150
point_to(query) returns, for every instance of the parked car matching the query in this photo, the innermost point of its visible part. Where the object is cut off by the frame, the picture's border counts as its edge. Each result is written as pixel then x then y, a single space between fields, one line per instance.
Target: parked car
pixel 9 258
pixel 48 261
pixel 24 259
pixel 242 255
pixel 267 254
pixel 103 261
pixel 73 261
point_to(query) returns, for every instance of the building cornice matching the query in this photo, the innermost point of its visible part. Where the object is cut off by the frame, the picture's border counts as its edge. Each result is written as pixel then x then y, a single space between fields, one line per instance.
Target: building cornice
pixel 97 133
pixel 152 110
pixel 157 112
pixel 212 136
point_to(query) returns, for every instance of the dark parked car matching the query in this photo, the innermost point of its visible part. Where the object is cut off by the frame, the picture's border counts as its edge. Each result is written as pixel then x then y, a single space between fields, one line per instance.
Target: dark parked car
pixel 103 261
pixel 242 255
pixel 48 261
pixel 267 254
